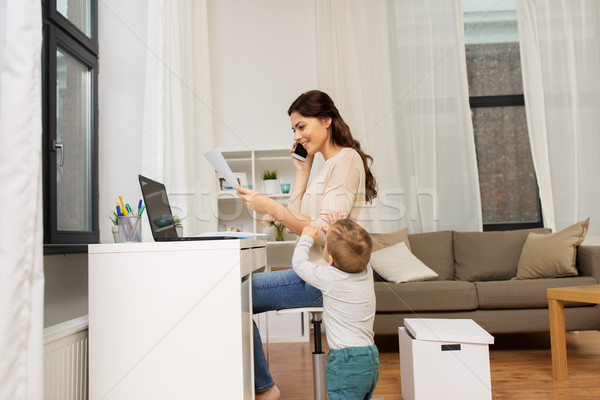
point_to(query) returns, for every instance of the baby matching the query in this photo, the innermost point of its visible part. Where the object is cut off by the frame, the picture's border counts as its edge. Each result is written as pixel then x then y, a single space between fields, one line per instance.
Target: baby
pixel 348 305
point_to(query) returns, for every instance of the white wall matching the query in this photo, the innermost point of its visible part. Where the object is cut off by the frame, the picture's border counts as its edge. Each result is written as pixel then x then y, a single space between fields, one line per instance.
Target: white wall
pixel 263 56
pixel 122 40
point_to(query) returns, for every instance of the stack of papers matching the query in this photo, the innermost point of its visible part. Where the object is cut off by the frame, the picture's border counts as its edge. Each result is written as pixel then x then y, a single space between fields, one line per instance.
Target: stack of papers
pixel 239 235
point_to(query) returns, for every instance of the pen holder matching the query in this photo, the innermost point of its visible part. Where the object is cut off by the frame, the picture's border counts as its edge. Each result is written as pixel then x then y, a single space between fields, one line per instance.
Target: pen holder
pixel 130 229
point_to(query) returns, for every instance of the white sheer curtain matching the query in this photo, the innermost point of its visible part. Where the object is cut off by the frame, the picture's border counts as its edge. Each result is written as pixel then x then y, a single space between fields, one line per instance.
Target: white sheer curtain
pixel 397 71
pixel 21 241
pixel 560 59
pixel 177 110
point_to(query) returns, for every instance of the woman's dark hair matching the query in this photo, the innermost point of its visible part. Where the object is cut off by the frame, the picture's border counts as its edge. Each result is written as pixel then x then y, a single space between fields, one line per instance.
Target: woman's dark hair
pixel 317 104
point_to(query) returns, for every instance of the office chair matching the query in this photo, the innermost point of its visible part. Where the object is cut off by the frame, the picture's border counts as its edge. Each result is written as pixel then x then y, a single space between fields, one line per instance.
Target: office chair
pixel 319 371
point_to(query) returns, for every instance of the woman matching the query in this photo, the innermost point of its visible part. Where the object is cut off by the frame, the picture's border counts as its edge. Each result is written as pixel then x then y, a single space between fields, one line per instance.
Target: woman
pixel 344 184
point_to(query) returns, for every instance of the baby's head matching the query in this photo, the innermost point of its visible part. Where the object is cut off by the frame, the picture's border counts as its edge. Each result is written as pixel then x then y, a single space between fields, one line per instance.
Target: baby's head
pixel 348 246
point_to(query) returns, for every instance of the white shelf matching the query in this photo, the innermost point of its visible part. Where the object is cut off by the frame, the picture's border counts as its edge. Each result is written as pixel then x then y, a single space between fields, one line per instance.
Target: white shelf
pixel 232 195
pixel 266 153
pixel 239 159
pixel 237 154
pixel 252 162
pixel 228 195
pixel 276 158
pixel 280 243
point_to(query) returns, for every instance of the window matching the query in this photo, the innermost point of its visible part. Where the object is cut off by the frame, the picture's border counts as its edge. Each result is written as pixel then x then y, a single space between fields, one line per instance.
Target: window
pixel 509 195
pixel 70 134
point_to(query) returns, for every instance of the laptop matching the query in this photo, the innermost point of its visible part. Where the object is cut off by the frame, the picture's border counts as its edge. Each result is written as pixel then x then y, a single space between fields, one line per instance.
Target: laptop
pixel 160 215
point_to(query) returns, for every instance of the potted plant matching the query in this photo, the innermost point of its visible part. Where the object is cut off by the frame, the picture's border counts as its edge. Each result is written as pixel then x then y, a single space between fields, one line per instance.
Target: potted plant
pixel 178 225
pixel 270 182
pixel 279 227
pixel 114 218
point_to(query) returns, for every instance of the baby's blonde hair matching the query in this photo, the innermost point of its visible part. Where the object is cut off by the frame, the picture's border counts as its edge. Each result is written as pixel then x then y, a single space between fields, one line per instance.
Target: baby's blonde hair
pixel 349 245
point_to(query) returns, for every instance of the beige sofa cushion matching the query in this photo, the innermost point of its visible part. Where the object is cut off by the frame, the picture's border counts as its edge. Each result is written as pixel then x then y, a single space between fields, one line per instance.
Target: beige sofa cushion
pixel 551 255
pixel 397 264
pixel 383 240
pixel 528 293
pixel 434 249
pixel 489 256
pixel 425 296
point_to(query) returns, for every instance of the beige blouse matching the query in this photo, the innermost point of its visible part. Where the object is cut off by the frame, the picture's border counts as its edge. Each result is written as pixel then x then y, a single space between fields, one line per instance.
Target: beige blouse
pixel 340 186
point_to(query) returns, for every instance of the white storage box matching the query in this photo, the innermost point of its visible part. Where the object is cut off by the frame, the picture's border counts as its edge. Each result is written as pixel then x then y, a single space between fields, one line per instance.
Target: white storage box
pixel 444 359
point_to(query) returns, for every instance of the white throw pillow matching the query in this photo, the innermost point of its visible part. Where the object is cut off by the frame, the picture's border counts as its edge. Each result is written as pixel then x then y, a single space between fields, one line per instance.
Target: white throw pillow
pixel 397 264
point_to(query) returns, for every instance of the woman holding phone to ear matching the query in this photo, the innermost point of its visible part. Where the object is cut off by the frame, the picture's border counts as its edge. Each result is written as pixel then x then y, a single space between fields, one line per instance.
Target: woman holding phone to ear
pixel 344 184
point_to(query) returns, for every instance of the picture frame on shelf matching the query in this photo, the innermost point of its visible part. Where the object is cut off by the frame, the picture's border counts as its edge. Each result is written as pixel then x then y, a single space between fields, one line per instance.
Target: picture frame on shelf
pixel 224 186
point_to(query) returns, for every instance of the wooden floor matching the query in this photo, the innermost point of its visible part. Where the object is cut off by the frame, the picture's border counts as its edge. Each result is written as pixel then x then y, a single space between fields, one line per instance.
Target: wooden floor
pixel 521 368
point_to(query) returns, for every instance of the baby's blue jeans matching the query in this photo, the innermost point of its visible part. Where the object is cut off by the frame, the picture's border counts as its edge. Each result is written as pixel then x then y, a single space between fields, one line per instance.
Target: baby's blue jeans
pixel 352 372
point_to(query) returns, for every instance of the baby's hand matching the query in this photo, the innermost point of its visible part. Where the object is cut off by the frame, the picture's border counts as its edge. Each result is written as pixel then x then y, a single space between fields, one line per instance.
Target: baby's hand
pixel 335 216
pixel 332 217
pixel 310 231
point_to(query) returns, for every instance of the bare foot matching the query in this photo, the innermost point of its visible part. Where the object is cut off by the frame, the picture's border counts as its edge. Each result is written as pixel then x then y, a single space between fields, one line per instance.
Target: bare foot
pixel 270 394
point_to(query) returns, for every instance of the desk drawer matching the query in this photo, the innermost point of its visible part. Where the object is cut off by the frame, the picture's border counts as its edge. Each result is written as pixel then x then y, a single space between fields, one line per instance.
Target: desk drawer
pixel 251 260
pixel 259 258
pixel 245 262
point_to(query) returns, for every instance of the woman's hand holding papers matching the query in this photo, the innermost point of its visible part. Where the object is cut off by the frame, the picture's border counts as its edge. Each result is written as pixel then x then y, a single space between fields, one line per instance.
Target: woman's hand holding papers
pixel 255 200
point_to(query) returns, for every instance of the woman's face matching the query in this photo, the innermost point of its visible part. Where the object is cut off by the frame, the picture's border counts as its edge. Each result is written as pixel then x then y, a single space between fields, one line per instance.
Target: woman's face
pixel 311 132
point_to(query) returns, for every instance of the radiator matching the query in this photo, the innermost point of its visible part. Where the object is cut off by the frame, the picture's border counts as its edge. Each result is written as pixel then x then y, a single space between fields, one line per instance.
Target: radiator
pixel 66 360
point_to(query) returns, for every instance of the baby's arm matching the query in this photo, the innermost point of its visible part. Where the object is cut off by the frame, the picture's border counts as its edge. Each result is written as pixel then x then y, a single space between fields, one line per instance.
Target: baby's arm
pixel 315 275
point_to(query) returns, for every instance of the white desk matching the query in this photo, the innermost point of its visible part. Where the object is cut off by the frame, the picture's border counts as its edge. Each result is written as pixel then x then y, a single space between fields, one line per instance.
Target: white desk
pixel 169 321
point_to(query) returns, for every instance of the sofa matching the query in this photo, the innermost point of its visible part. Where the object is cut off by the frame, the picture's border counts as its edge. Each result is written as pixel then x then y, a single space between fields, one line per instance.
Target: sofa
pixel 478 278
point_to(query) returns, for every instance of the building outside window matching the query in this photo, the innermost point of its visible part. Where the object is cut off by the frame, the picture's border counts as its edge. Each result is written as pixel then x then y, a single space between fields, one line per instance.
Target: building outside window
pixel 509 195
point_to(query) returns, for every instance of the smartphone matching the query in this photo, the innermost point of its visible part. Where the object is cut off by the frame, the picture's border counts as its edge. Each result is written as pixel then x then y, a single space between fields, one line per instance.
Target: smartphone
pixel 300 152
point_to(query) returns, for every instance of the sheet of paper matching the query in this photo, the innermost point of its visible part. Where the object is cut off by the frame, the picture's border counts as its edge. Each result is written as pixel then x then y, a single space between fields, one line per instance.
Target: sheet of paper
pixel 215 157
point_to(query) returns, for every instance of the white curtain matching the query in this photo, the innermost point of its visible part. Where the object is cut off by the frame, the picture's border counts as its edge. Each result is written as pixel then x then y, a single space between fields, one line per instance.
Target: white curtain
pixel 177 110
pixel 560 59
pixel 397 71
pixel 21 240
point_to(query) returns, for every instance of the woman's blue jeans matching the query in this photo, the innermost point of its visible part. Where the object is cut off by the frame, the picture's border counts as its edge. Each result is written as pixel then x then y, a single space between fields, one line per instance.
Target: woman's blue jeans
pixel 273 291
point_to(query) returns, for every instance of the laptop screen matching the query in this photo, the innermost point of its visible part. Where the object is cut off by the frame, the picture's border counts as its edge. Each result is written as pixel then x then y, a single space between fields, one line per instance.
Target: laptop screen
pixel 157 208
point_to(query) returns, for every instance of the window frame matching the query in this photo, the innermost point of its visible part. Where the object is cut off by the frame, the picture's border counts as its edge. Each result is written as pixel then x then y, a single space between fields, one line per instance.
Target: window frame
pixel 61 34
pixel 91 43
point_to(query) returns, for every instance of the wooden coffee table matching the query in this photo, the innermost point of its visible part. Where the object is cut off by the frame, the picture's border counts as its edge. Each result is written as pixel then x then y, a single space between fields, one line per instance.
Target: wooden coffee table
pixel 558 342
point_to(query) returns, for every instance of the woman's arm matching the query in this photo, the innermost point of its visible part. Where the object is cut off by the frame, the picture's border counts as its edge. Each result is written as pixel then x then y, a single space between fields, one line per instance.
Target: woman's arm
pixel 293 220
pixel 289 216
pixel 298 191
